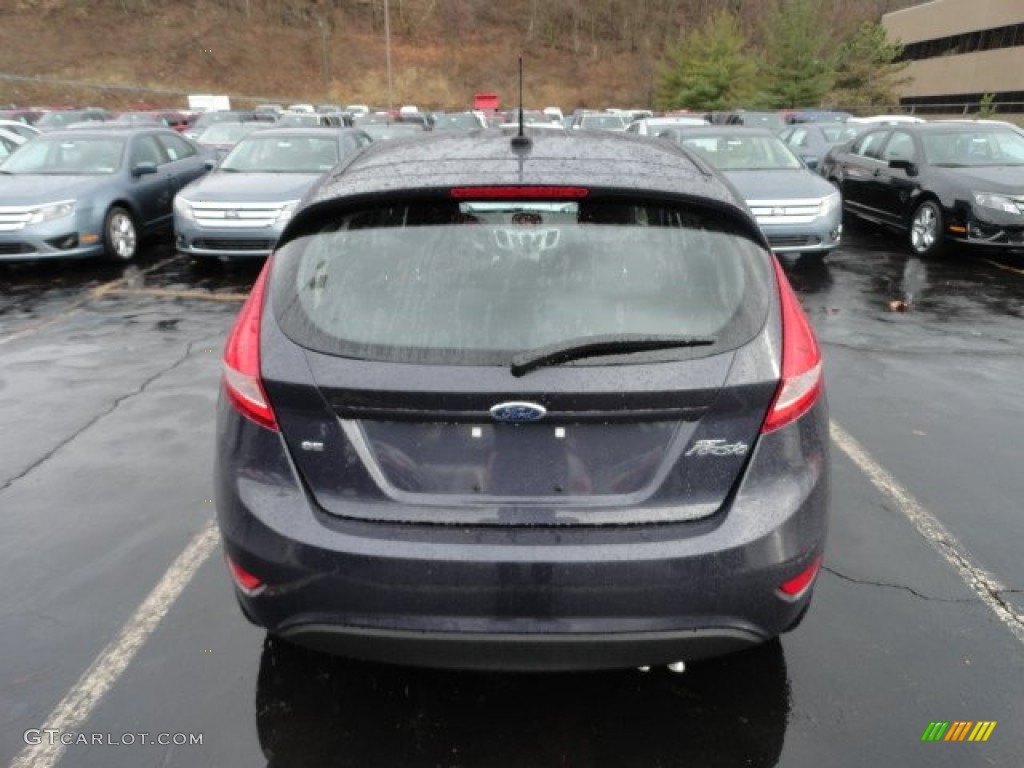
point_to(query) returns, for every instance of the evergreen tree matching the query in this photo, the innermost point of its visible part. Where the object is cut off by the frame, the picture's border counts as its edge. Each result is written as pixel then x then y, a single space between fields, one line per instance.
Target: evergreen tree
pixel 867 70
pixel 710 69
pixel 798 72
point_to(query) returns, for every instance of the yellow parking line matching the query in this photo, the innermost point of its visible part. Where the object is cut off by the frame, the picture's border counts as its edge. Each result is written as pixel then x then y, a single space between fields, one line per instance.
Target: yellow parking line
pixel 1003 266
pixel 101 289
pixel 95 293
pixel 168 293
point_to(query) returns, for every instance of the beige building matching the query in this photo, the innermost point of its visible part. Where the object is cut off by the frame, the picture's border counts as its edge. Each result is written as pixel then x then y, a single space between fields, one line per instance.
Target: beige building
pixel 960 50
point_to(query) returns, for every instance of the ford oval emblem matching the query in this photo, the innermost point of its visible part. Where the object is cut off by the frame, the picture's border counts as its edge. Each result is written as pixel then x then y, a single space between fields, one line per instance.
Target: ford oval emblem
pixel 518 413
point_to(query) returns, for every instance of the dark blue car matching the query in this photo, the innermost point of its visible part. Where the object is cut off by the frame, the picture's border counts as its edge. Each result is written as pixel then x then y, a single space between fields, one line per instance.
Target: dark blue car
pixel 530 403
pixel 92 192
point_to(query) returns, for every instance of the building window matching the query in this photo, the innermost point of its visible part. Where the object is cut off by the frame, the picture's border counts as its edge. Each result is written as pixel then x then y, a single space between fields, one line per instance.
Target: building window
pixel 1009 36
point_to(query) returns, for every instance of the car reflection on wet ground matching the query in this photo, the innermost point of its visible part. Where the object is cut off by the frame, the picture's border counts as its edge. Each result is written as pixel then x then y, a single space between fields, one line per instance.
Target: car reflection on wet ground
pixel 107 380
pixel 453 718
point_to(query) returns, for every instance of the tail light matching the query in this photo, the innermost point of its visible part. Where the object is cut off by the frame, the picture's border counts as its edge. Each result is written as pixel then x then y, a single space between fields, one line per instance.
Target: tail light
pixel 248 583
pixel 518 193
pixel 801 383
pixel 797 587
pixel 242 383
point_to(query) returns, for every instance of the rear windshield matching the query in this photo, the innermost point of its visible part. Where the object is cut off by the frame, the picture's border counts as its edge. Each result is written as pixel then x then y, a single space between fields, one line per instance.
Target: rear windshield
pixel 475 282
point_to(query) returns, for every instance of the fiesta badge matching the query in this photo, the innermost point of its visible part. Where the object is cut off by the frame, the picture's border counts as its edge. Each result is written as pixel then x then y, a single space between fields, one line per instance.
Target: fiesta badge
pixel 518 412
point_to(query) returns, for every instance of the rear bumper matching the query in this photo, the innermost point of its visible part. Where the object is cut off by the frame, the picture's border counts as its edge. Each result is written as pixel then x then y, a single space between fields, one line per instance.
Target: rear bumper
pixel 524 651
pixel 503 597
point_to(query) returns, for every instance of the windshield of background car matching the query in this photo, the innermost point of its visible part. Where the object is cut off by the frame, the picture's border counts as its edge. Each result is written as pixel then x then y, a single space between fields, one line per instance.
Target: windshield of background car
pixel 283 154
pixel 86 155
pixel 463 121
pixel 770 121
pixel 373 118
pixel 227 133
pixel 743 153
pixel 840 134
pixel 466 282
pixel 299 119
pixel 967 149
pixel 669 121
pixel 603 122
pixel 145 118
pixel 393 131
pixel 530 117
pixel 59 118
pixel 207 119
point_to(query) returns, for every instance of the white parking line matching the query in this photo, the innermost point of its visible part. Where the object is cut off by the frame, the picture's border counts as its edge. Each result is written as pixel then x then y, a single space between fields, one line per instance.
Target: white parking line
pixel 986 586
pixel 77 706
pixel 81 700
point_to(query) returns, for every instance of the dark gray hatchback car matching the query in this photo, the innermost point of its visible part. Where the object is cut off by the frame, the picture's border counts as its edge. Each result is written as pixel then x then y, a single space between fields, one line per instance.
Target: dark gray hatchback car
pixel 542 404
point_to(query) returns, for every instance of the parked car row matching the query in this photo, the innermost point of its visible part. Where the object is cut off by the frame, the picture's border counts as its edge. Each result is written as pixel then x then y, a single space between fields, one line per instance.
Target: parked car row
pixel 797 183
pixel 98 191
pixel 941 183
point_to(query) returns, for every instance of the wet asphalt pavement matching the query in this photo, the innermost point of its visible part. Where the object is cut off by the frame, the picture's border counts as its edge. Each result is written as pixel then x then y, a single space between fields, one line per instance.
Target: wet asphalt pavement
pixel 108 378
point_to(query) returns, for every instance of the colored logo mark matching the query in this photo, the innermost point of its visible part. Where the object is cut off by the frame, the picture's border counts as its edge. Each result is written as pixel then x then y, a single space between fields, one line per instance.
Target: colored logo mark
pixel 517 412
pixel 958 730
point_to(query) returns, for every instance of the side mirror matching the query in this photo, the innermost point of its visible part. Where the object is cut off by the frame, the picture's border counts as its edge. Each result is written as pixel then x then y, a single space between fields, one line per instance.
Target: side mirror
pixel 906 165
pixel 144 168
pixel 209 163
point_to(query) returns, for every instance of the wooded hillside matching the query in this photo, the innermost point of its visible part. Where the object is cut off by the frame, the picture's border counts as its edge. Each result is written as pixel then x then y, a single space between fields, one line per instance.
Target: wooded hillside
pixel 593 53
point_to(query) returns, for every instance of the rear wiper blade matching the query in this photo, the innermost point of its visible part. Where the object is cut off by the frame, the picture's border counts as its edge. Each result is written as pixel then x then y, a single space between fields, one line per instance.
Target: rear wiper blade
pixel 595 346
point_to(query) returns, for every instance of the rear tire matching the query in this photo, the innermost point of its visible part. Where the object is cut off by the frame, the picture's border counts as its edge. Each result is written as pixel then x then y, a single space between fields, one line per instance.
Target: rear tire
pixel 926 236
pixel 120 236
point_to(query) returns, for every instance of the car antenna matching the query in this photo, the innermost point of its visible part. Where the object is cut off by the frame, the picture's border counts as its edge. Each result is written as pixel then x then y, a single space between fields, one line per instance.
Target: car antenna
pixel 521 139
